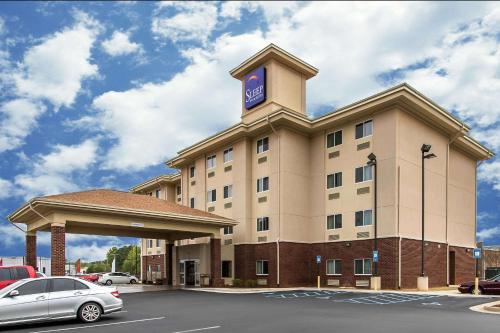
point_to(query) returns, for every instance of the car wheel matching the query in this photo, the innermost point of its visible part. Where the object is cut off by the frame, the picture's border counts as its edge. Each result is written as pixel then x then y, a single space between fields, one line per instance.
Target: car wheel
pixel 109 282
pixel 133 281
pixel 90 312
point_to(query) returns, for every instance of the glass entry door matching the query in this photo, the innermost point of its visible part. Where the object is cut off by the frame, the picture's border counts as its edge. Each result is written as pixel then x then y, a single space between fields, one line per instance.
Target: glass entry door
pixel 189 273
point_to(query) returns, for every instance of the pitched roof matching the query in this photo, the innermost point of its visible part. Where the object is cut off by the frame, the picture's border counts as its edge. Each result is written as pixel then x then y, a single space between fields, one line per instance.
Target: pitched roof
pixel 107 198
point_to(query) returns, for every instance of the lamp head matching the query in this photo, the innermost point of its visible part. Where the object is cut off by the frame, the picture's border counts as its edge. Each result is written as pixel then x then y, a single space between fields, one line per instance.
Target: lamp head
pixel 372 157
pixel 425 148
pixel 431 155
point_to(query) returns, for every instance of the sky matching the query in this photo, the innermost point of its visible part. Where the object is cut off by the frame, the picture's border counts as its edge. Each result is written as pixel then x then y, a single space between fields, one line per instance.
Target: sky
pixel 93 94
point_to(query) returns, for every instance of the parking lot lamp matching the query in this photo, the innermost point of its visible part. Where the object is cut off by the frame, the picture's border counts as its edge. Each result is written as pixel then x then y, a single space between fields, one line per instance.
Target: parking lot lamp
pixel 372 161
pixel 425 155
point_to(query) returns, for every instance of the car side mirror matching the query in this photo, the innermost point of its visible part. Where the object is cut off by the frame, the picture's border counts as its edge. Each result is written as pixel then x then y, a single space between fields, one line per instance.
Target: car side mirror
pixel 14 293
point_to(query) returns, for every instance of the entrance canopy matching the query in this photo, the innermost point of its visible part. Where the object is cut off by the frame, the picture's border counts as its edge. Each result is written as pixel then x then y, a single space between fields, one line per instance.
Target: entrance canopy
pixel 115 213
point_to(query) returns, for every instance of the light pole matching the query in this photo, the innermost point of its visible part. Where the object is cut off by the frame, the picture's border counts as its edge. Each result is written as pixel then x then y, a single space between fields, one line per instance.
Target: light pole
pixel 372 161
pixel 425 155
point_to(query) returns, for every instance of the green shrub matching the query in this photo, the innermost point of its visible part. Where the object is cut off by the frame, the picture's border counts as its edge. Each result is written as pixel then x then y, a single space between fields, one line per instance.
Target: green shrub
pixel 250 283
pixel 238 283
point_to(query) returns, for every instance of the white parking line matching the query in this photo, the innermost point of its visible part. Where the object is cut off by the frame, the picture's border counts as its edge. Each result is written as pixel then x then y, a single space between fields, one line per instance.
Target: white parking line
pixel 199 329
pixel 100 325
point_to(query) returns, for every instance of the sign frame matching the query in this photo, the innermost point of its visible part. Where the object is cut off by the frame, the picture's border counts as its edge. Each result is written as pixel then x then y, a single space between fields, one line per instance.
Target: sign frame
pixel 255 88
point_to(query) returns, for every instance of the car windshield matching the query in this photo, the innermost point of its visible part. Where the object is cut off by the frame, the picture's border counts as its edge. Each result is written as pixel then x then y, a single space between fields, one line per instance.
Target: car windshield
pixel 495 278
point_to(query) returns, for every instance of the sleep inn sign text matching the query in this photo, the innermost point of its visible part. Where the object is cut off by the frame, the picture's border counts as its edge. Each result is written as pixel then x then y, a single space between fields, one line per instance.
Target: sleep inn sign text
pixel 255 88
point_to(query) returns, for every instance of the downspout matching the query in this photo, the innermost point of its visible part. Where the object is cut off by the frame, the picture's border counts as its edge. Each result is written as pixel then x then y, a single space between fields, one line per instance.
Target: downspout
pixel 450 141
pixel 279 206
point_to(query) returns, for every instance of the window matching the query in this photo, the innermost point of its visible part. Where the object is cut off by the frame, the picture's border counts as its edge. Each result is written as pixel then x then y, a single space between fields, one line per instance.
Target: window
pixel 192 172
pixel 262 267
pixel 262 184
pixel 150 243
pixel 362 266
pixel 149 268
pixel 262 223
pixel 334 180
pixel 262 145
pixel 157 193
pixel 33 287
pixel 364 129
pixel 228 191
pixel 228 155
pixel 179 190
pixel 334 221
pixel 228 230
pixel 157 243
pixel 80 286
pixel 212 196
pixel 334 139
pixel 21 273
pixel 158 268
pixel 363 174
pixel 334 267
pixel 62 285
pixel 5 274
pixel 211 162
pixel 363 217
pixel 226 269
pixel 191 202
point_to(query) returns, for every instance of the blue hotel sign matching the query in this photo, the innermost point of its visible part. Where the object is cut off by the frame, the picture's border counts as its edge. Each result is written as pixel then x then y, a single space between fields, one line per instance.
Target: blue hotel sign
pixel 255 88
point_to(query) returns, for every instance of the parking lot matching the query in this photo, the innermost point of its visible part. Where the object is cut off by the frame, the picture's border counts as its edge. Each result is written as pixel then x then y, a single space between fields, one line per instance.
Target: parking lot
pixel 183 311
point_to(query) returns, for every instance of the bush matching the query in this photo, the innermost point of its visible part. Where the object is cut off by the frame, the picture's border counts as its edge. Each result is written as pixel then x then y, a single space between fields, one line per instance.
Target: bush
pixel 250 283
pixel 238 283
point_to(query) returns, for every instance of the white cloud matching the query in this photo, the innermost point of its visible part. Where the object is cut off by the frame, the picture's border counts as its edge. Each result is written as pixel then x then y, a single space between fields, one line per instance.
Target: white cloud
pixel 6 188
pixel 17 119
pixel 185 21
pixel 233 9
pixel 89 252
pixel 54 70
pixel 55 172
pixel 488 233
pixel 120 44
pixel 2 26
pixel 490 173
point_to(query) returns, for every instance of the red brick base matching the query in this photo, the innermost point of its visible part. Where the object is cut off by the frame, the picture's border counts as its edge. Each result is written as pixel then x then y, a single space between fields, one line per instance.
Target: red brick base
pixel 215 263
pixel 31 251
pixel 154 261
pixel 465 265
pixel 58 250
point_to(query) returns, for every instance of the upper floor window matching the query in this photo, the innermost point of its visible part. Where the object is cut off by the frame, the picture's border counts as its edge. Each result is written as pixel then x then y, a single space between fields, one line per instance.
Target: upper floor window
pixel 364 173
pixel 228 191
pixel 363 217
pixel 262 184
pixel 228 230
pixel 334 221
pixel 334 139
pixel 211 162
pixel 262 145
pixel 192 171
pixel 191 202
pixel 150 243
pixel 334 180
pixel 363 266
pixel 364 129
pixel 178 189
pixel 262 223
pixel 212 195
pixel 157 243
pixel 157 193
pixel 333 267
pixel 228 155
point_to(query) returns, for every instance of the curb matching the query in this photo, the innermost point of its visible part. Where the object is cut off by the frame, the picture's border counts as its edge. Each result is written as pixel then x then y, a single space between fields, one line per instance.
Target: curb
pixel 492 308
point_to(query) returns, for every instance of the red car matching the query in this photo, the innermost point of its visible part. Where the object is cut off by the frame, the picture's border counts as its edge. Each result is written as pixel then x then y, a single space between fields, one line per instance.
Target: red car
pixel 490 286
pixel 10 274
pixel 88 277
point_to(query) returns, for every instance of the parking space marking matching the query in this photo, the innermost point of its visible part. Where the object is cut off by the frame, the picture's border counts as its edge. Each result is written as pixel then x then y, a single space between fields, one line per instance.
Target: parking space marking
pixel 99 325
pixel 384 299
pixel 198 329
pixel 321 294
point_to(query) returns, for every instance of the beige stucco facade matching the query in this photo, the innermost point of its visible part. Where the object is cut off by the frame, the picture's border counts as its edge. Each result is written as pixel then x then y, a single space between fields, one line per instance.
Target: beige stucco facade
pixel 298 161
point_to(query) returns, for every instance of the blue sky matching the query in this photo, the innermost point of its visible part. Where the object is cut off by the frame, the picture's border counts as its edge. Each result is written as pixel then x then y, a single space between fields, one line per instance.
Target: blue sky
pixel 93 93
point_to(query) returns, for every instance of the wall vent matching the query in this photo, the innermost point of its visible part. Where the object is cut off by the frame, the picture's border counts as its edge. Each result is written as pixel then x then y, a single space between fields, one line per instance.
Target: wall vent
pixel 362 283
pixel 333 196
pixel 334 154
pixel 364 234
pixel 228 241
pixel 262 199
pixel 262 282
pixel 211 174
pixel 193 183
pixel 228 205
pixel 262 159
pixel 334 237
pixel 363 190
pixel 364 145
pixel 211 209
pixel 228 168
pixel 333 282
pixel 262 239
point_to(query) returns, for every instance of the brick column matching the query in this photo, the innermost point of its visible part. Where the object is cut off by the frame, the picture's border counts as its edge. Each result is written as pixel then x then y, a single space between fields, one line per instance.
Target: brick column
pixel 31 249
pixel 215 263
pixel 169 255
pixel 58 249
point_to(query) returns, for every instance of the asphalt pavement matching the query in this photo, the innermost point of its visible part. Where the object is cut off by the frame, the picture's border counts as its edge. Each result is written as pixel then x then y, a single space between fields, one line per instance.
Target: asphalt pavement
pixel 183 311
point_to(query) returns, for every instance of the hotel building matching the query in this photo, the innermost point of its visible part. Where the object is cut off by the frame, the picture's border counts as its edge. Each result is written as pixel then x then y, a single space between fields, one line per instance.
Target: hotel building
pixel 307 201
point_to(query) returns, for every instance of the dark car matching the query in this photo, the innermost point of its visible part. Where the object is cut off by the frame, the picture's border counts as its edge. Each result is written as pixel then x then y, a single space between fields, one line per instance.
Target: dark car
pixel 490 286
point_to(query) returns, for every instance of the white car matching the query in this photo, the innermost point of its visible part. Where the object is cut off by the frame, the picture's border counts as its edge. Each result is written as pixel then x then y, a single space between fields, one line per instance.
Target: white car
pixel 117 278
pixel 54 298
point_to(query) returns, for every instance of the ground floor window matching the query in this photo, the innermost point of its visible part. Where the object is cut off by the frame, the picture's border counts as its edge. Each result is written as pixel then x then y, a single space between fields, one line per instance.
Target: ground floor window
pixel 262 267
pixel 362 266
pixel 158 268
pixel 227 269
pixel 334 267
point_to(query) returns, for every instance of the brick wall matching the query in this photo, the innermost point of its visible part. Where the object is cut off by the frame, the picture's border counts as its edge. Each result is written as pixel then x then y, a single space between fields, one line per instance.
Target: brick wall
pixel 245 257
pixel 465 264
pixel 215 263
pixel 154 261
pixel 58 250
pixel 435 255
pixel 31 251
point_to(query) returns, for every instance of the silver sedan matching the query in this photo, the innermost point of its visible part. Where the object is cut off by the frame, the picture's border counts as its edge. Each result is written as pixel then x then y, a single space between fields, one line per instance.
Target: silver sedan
pixel 54 298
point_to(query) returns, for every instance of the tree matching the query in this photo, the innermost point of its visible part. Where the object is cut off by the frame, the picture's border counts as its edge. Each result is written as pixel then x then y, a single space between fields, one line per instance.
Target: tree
pixel 132 263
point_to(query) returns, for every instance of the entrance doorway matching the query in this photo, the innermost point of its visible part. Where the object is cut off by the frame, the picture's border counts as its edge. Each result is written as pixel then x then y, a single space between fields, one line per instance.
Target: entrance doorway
pixel 189 272
pixel 452 267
